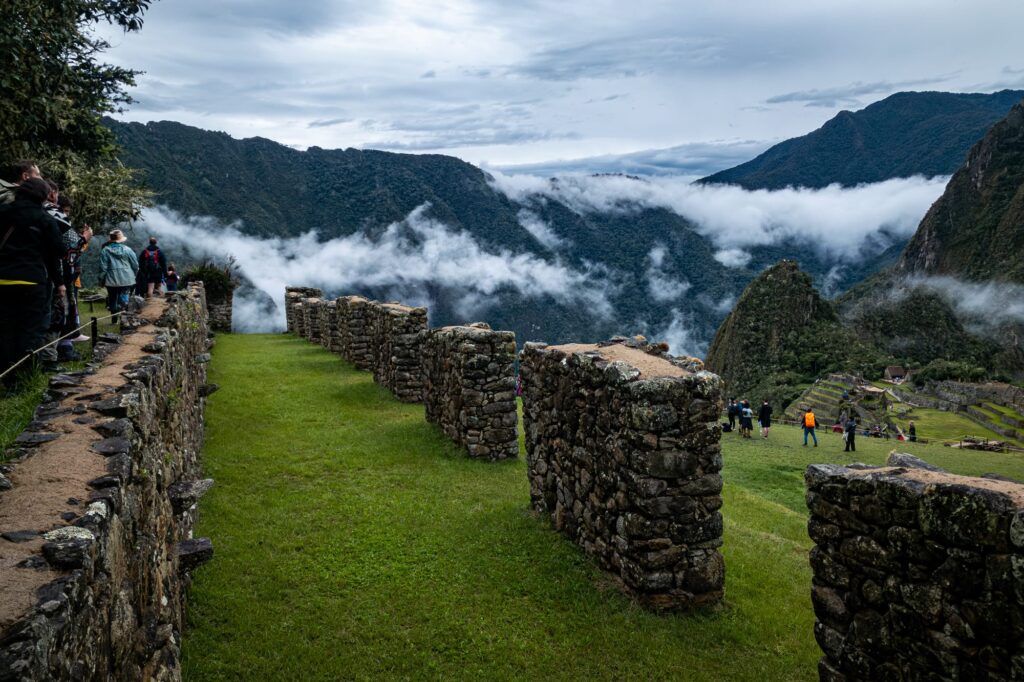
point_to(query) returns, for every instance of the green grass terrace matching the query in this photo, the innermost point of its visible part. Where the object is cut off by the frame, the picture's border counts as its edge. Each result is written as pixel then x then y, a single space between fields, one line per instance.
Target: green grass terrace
pixel 354 542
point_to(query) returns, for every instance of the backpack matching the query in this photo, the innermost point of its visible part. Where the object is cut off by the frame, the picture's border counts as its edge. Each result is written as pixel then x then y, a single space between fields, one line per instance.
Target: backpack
pixel 809 420
pixel 152 260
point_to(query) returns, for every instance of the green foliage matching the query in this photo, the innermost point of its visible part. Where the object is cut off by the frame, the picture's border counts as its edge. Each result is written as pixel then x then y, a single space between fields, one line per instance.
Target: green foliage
pixel 940 370
pixel 54 91
pixel 53 88
pixel 218 280
pixel 909 133
pixel 105 194
pixel 18 402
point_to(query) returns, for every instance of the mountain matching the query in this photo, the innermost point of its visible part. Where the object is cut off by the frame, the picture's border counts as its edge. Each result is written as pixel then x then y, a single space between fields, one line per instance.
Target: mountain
pixel 906 134
pixel 955 292
pixel 270 190
pixel 975 231
pixel 782 335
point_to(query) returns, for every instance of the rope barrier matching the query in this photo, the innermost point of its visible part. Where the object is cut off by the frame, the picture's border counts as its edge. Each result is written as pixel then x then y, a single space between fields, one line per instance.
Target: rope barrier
pixel 32 354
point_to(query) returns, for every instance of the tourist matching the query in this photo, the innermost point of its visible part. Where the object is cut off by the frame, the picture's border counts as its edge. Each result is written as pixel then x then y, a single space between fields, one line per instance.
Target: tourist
pixel 75 242
pixel 13 175
pixel 912 432
pixel 746 419
pixel 809 425
pixel 152 268
pixel 764 416
pixel 850 435
pixel 172 282
pixel 30 252
pixel 118 269
pixel 732 412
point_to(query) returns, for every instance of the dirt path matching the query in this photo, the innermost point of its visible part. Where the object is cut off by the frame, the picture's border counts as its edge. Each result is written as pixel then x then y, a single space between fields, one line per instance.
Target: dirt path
pixel 54 479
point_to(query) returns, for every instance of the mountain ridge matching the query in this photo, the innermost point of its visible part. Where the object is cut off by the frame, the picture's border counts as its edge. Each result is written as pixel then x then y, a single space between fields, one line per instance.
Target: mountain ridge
pixel 905 134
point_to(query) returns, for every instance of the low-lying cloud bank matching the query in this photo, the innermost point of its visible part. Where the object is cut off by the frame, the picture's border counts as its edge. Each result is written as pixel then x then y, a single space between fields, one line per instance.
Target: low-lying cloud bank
pixel 408 260
pixel 834 221
pixel 982 305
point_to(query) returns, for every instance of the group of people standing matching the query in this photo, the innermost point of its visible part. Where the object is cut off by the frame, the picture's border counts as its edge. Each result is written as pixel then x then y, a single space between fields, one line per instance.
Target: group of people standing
pixel 740 411
pixel 41 271
pixel 122 271
pixel 40 268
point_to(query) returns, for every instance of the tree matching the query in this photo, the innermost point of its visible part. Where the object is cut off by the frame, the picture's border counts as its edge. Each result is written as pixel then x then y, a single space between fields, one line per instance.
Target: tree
pixel 54 91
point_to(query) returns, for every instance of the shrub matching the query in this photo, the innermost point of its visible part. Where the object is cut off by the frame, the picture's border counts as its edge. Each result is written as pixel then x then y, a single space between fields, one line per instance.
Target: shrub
pixel 219 281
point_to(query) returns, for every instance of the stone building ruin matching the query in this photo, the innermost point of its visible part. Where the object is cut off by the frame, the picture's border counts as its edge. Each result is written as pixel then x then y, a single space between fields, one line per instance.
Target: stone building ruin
pixel 917 573
pixel 469 388
pixel 623 454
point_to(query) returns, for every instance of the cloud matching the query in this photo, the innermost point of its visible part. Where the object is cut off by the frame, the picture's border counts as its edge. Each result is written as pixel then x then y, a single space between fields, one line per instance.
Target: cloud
pixel 429 74
pixel 326 123
pixel 983 305
pixel 540 230
pixel 696 159
pixel 624 57
pixel 678 334
pixel 407 260
pixel 847 95
pixel 662 286
pixel 733 258
pixel 835 222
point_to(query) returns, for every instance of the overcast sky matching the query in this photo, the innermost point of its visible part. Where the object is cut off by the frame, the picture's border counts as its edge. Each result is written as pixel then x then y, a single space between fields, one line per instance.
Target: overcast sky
pixel 708 84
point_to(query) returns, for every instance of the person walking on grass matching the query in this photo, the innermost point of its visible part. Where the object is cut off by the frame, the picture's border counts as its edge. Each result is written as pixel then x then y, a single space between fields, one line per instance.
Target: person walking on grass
pixel 809 425
pixel 732 412
pixel 764 416
pixel 746 419
pixel 850 435
pixel 912 432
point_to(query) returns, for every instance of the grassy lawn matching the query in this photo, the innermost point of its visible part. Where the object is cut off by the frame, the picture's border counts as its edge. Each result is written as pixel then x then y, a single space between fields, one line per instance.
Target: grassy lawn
pixel 352 541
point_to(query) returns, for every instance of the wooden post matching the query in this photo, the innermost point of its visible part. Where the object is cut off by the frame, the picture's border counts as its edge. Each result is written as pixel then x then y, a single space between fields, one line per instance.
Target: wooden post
pixel 94 327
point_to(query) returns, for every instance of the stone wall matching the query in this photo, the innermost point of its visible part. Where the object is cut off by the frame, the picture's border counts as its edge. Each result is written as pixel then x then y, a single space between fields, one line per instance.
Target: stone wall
pixel 311 318
pixel 623 453
pixel 469 388
pixel 357 323
pixel 399 333
pixel 918 574
pixel 292 297
pixel 220 313
pixel 329 325
pixel 96 523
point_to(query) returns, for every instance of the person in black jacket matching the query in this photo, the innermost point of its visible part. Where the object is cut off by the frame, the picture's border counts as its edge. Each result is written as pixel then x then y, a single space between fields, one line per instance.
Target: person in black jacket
pixel 764 415
pixel 850 435
pixel 30 253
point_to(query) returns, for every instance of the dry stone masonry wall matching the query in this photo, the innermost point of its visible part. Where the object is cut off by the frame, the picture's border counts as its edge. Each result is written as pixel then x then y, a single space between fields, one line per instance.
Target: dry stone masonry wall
pixel 918 574
pixel 359 321
pixel 96 544
pixel 623 453
pixel 311 318
pixel 400 331
pixel 220 313
pixel 469 388
pixel 293 297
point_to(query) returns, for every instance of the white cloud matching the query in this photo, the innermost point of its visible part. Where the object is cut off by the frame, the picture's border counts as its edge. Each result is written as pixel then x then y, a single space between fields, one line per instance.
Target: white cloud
pixel 733 258
pixel 405 259
pixel 540 230
pixel 660 284
pixel 983 305
pixel 548 75
pixel 679 336
pixel 833 221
